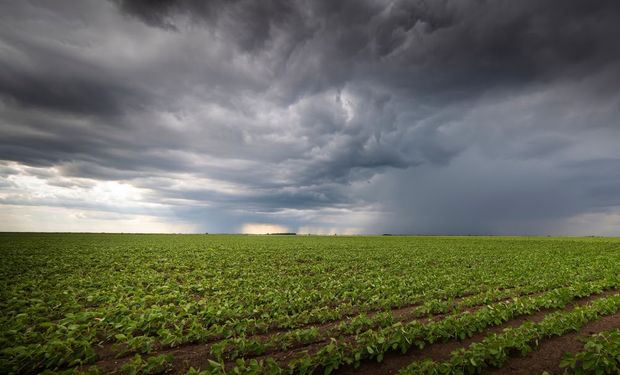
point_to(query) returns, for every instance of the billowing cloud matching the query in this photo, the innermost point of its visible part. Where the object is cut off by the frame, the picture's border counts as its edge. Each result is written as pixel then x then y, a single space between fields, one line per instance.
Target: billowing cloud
pixel 314 116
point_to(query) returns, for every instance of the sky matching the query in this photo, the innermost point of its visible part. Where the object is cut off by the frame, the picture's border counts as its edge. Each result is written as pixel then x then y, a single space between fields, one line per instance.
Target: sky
pixel 310 116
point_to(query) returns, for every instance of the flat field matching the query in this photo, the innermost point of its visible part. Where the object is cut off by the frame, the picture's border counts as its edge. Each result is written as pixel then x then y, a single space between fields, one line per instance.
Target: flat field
pixel 301 304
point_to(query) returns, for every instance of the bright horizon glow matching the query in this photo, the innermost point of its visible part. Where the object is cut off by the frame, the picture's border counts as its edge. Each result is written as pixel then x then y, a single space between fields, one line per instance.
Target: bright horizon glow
pixel 258 228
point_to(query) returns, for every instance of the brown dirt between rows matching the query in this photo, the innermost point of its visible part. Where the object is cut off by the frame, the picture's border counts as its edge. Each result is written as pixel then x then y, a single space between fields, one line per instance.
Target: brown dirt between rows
pixel 550 352
pixel 441 351
pixel 393 361
pixel 107 351
pixel 197 355
pixel 185 355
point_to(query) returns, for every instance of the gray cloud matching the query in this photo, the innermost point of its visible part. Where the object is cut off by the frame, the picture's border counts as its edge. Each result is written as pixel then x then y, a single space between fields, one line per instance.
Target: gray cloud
pixel 416 116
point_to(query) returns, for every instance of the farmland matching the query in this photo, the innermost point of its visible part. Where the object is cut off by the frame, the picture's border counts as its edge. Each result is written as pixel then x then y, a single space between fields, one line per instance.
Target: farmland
pixel 214 304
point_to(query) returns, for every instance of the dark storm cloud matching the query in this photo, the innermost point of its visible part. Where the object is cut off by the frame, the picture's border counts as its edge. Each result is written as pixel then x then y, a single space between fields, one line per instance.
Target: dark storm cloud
pixel 446 115
pixel 48 90
pixel 35 75
pixel 249 23
pixel 469 44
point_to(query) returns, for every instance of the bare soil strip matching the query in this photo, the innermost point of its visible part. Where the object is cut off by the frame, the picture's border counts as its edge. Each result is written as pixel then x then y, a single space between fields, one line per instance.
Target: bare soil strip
pixel 441 351
pixel 393 361
pixel 185 355
pixel 549 353
pixel 403 314
pixel 197 355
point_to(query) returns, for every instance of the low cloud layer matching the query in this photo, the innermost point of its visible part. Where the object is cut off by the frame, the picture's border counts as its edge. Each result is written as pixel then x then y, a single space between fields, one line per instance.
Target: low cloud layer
pixel 427 117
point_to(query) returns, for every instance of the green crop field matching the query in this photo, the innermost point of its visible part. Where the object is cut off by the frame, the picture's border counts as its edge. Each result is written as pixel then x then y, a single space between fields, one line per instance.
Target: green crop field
pixel 215 304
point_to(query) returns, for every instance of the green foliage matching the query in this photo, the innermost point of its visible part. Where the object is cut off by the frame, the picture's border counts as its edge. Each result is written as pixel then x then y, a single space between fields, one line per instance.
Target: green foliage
pixel 152 365
pixel 67 299
pixel 600 355
pixel 494 350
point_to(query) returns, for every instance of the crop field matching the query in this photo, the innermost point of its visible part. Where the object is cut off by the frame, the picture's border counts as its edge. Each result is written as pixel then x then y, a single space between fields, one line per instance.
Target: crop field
pixel 216 304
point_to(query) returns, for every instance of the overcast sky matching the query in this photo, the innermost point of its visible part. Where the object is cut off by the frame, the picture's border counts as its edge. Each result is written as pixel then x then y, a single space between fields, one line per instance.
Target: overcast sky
pixel 421 117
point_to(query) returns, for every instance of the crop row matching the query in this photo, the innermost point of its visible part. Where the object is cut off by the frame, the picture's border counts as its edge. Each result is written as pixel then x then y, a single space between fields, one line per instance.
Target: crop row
pixel 374 344
pixel 68 342
pixel 600 355
pixel 69 300
pixel 242 346
pixel 495 349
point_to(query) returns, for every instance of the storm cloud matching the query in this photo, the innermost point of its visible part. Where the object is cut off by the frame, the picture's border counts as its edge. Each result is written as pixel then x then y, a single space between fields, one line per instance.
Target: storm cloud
pixel 420 117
